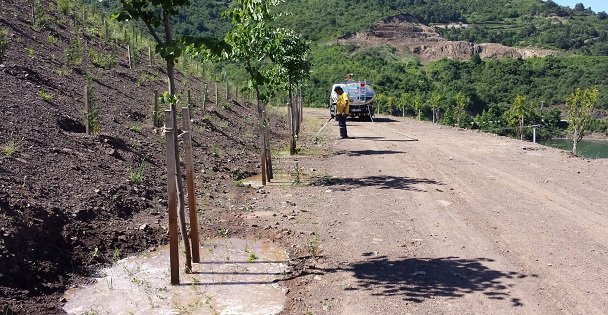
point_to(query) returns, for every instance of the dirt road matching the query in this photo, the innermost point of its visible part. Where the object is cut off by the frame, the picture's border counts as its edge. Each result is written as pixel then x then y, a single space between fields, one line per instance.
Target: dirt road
pixel 415 218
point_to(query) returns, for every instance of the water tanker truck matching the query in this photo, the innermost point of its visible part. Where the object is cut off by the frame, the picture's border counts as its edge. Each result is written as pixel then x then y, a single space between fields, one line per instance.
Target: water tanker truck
pixel 361 98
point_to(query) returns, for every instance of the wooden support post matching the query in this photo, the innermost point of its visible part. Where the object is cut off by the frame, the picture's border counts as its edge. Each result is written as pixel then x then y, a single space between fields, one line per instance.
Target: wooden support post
pixel 217 101
pixel 187 137
pixel 155 110
pixel 205 96
pixel 226 86
pixel 105 27
pixel 33 13
pixel 172 196
pixel 150 56
pixel 189 99
pixel 129 55
pixel 87 110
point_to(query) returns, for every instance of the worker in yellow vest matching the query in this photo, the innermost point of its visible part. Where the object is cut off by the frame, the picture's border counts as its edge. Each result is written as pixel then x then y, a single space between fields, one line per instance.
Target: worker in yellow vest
pixel 342 108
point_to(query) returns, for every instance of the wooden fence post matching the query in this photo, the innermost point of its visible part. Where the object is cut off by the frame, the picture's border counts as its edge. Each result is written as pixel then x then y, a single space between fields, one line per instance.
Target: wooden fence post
pixel 172 197
pixel 129 54
pixel 187 137
pixel 87 109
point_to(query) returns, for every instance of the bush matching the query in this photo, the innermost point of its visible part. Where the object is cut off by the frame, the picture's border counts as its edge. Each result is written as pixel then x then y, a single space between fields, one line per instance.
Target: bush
pixel 104 61
pixel 73 54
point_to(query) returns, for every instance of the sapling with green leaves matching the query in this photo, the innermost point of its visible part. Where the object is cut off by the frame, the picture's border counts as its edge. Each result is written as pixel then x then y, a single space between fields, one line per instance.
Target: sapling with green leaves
pixel 579 107
pixel 252 41
pixel 460 110
pixel 435 103
pixel 518 113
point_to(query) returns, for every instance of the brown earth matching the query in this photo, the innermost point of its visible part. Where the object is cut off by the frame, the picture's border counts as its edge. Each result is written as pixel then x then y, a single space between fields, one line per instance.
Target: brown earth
pixel 408 35
pixel 407 217
pixel 66 204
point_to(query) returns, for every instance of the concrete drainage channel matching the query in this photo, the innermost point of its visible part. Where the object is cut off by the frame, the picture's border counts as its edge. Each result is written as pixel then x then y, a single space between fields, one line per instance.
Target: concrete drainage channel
pixel 235 276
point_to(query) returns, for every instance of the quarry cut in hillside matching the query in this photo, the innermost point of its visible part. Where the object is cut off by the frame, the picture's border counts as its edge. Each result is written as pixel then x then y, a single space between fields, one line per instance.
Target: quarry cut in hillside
pixel 408 35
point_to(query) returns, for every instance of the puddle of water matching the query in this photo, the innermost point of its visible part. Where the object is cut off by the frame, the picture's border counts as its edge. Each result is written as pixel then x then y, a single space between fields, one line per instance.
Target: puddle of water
pixel 235 276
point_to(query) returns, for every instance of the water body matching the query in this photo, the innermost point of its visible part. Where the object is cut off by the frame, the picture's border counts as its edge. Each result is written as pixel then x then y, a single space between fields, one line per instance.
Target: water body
pixel 591 149
pixel 235 277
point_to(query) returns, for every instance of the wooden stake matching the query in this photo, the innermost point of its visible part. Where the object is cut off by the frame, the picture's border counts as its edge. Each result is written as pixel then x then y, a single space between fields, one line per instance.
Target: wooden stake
pixel 155 111
pixel 189 99
pixel 205 96
pixel 172 196
pixel 226 84
pixel 87 109
pixel 105 27
pixel 187 137
pixel 217 101
pixel 129 54
pixel 33 13
pixel 150 56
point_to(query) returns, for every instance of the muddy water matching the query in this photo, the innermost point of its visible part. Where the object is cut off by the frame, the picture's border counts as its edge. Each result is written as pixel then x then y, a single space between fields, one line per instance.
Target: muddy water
pixel 235 276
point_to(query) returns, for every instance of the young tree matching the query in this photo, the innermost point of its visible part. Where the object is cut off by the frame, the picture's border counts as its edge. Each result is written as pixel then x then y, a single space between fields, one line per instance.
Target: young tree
pixel 579 106
pixel 291 56
pixel 518 113
pixel 252 40
pixel 156 14
pixel 405 99
pixel 435 102
pixel 417 104
pixel 460 110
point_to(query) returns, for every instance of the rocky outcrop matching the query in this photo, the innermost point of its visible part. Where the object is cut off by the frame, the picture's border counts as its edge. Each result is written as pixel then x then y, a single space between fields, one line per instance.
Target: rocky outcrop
pixel 409 35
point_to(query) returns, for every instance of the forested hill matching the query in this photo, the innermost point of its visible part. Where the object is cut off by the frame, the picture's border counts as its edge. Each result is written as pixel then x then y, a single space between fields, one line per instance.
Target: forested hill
pixel 509 22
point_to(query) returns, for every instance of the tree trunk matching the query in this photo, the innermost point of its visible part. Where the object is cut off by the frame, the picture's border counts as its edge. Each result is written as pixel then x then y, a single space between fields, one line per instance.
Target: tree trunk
pixel 575 142
pixel 292 121
pixel 178 178
pixel 262 136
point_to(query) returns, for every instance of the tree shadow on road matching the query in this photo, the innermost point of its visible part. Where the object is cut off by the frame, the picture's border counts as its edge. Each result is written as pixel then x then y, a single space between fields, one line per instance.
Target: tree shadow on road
pixel 368 152
pixel 418 279
pixel 382 182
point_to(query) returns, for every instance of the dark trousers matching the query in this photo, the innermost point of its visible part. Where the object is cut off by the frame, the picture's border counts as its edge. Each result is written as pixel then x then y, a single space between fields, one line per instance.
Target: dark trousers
pixel 342 124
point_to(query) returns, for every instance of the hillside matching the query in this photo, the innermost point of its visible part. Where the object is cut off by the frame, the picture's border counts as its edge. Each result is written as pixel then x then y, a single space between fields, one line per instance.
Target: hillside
pixel 71 202
pixel 409 36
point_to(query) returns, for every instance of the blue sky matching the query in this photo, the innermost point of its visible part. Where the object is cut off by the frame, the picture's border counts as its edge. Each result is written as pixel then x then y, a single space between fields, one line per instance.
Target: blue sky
pixel 596 5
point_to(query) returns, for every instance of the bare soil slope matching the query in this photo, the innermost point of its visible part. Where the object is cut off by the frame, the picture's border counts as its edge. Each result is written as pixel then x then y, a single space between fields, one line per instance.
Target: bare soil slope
pixel 415 218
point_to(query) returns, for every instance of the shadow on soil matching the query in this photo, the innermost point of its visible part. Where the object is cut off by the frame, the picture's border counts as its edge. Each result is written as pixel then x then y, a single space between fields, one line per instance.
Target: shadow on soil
pixel 382 182
pixel 419 279
pixel 383 139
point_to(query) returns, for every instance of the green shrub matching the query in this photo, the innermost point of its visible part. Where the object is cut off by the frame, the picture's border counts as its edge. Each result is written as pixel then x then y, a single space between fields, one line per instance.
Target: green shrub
pixel 30 52
pixel 136 175
pixel 65 6
pixel 73 54
pixel 9 148
pixel 45 96
pixel 104 61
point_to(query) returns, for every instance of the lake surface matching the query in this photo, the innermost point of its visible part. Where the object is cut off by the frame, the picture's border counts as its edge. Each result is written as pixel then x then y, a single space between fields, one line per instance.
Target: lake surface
pixel 591 149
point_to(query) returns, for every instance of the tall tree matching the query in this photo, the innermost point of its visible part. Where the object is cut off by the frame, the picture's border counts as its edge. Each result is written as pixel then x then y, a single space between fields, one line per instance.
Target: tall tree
pixel 579 106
